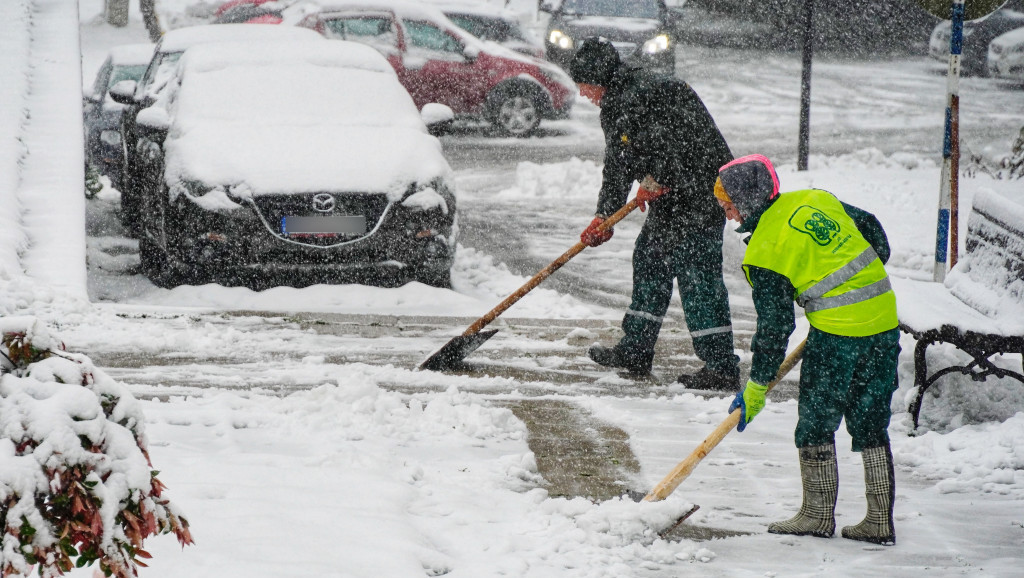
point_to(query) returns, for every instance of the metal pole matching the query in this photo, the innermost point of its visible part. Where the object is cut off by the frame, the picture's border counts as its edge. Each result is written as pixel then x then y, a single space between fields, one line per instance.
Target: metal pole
pixel 803 148
pixel 950 150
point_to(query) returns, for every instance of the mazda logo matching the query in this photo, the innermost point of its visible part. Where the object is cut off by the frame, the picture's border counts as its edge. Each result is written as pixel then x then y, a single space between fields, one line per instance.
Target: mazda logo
pixel 323 203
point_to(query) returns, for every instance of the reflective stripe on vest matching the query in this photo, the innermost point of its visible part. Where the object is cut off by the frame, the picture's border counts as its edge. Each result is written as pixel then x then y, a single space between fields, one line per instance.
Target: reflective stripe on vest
pixel 811 299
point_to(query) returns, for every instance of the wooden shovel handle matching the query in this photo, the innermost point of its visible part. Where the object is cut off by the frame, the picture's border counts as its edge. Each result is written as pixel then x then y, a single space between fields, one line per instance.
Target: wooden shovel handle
pixel 545 272
pixel 685 467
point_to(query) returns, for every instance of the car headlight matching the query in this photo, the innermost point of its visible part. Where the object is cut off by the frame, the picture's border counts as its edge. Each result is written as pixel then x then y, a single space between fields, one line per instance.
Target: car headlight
pixel 560 39
pixel 111 137
pixel 657 44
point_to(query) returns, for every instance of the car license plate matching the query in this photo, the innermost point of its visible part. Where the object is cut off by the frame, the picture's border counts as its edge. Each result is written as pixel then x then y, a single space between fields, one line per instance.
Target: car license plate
pixel 323 226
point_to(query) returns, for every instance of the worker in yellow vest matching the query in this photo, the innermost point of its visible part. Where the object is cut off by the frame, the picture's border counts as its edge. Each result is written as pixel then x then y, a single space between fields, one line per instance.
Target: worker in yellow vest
pixel 828 256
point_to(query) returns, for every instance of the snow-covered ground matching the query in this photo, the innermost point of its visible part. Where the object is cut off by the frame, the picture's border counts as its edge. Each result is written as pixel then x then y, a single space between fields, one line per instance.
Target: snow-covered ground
pixel 381 470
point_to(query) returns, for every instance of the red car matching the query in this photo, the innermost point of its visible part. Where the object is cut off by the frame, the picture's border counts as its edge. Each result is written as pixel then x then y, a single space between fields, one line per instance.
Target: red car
pixel 437 61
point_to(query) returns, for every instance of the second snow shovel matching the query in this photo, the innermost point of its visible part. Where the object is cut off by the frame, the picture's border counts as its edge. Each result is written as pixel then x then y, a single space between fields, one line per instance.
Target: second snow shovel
pixel 685 467
pixel 453 352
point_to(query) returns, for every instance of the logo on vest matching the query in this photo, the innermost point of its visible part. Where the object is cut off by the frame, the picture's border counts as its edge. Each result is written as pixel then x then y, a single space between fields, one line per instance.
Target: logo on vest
pixel 815 223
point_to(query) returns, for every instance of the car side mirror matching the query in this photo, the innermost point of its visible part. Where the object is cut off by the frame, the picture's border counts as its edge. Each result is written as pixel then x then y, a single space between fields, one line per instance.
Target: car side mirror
pixel 547 6
pixel 471 53
pixel 437 117
pixel 123 92
pixel 154 120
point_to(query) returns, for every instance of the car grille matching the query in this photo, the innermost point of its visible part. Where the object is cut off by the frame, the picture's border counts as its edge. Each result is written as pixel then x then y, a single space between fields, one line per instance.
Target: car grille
pixel 273 208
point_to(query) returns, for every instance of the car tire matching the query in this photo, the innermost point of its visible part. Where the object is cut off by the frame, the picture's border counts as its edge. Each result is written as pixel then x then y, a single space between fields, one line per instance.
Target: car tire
pixel 515 110
pixel 440 278
pixel 129 207
pixel 153 241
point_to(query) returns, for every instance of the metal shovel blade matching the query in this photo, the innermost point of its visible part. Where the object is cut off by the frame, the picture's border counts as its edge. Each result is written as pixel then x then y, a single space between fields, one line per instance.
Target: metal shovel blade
pixel 453 352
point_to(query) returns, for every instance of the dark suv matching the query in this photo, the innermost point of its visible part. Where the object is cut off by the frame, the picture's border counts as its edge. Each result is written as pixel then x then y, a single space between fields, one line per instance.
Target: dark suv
pixel 641 30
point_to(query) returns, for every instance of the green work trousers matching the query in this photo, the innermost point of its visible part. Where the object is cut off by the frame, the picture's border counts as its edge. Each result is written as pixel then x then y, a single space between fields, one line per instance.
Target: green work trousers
pixel 696 264
pixel 847 377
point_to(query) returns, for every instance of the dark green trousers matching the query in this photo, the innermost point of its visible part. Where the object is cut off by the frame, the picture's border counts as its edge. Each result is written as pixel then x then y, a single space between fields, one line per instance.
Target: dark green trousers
pixel 696 264
pixel 847 377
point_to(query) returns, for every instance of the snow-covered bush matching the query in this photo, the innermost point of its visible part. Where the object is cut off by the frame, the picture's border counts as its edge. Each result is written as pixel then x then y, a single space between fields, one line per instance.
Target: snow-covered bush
pixel 76 483
pixel 1007 167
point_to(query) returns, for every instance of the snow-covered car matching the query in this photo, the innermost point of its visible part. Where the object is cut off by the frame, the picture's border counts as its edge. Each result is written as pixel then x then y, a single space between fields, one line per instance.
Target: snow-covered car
pixel 487 22
pixel 102 116
pixel 643 31
pixel 296 163
pixel 1006 56
pixel 138 95
pixel 977 36
pixel 437 61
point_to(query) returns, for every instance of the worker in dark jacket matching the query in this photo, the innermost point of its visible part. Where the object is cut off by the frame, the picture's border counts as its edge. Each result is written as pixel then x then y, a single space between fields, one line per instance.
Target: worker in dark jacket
pixel 828 256
pixel 658 133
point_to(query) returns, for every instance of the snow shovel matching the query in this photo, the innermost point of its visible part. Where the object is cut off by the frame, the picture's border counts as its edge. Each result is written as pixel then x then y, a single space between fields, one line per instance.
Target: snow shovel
pixel 453 352
pixel 686 467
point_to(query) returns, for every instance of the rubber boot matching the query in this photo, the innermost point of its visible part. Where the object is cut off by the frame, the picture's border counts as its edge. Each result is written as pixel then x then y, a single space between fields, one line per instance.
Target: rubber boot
pixel 615 357
pixel 820 475
pixel 879 489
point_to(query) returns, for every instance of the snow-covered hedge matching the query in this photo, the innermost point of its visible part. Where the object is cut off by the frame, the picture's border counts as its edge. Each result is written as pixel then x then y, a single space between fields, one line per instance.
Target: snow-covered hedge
pixel 76 483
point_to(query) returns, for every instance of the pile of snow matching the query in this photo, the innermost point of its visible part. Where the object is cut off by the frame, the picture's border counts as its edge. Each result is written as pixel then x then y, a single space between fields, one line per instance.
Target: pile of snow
pixel 574 179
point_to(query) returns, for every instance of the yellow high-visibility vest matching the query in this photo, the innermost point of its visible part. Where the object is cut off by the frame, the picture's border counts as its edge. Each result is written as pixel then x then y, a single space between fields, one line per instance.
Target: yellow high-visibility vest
pixel 840 281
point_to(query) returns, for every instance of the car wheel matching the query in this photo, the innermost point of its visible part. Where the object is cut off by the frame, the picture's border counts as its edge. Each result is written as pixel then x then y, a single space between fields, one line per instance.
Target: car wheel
pixel 129 206
pixel 153 242
pixel 515 110
pixel 441 278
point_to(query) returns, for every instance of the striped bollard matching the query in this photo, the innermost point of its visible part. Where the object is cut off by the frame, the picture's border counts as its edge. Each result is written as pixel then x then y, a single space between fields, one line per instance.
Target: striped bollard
pixel 946 230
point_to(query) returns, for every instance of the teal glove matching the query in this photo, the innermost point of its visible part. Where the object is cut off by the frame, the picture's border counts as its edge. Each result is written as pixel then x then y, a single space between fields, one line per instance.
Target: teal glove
pixel 750 401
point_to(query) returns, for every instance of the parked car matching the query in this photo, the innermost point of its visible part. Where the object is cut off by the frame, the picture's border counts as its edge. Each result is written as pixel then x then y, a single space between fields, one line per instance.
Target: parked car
pixel 437 61
pixel 307 160
pixel 141 94
pixel 102 116
pixel 1006 56
pixel 641 30
pixel 487 22
pixel 977 36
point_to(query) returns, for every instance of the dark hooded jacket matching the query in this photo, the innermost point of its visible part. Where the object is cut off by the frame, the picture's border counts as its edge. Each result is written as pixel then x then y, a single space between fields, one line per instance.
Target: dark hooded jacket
pixel 659 126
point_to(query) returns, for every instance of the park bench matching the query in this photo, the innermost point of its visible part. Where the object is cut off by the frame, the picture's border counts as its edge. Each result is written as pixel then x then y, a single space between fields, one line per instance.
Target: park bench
pixel 980 306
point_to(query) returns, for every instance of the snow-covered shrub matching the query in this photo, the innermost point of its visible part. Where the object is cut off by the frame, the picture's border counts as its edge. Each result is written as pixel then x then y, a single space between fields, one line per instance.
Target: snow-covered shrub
pixel 76 483
pixel 1007 167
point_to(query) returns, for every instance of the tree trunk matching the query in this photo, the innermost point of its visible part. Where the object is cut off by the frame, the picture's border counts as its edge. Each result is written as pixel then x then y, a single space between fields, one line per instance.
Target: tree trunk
pixel 115 12
pixel 149 18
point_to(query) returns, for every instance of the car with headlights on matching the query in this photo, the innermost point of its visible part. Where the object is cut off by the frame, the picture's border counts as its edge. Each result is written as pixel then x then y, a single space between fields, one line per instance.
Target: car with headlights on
pixel 102 116
pixel 438 61
pixel 293 163
pixel 136 95
pixel 643 31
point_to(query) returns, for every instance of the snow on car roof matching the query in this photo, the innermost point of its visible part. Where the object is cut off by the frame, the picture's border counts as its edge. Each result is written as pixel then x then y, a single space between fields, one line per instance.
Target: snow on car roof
pixel 179 39
pixel 336 54
pixel 1010 38
pixel 405 10
pixel 295 117
pixel 131 54
pixel 476 8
